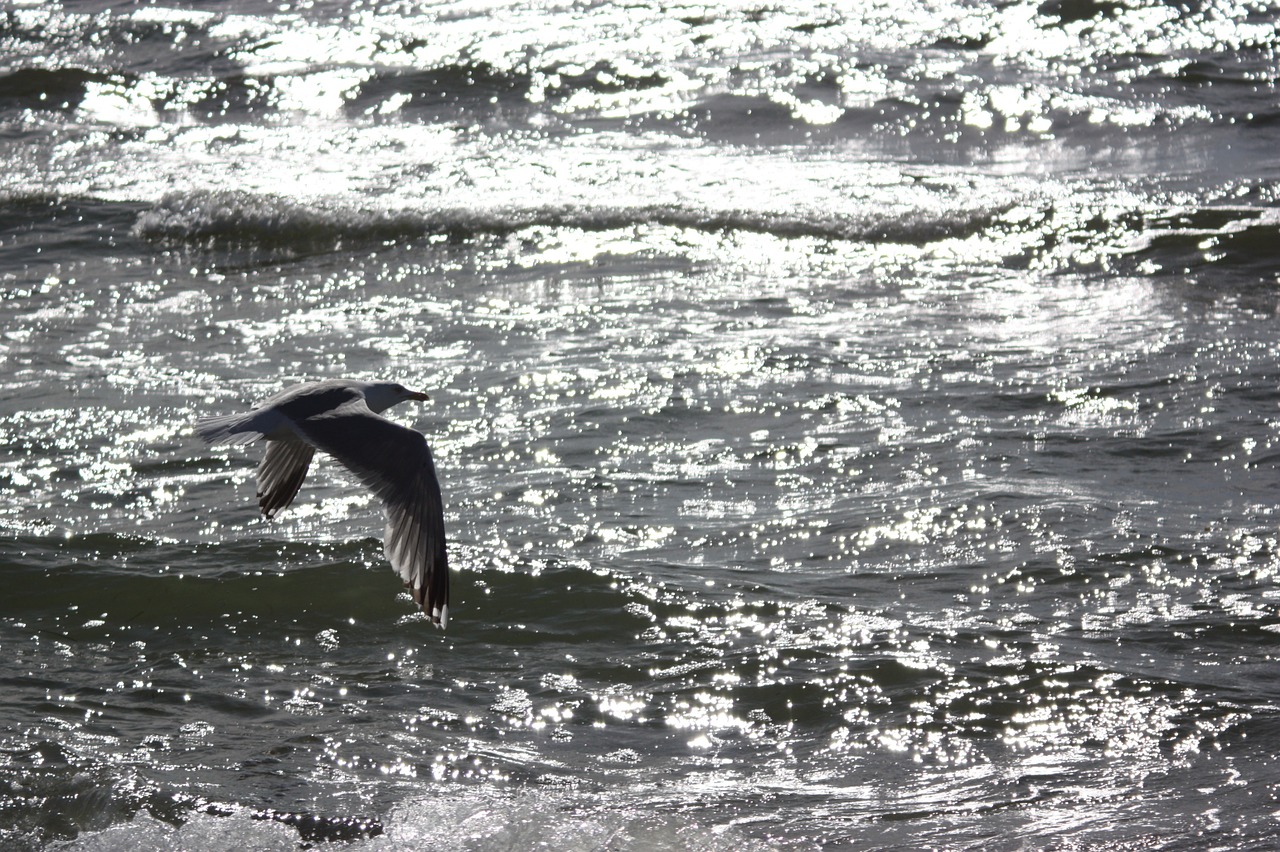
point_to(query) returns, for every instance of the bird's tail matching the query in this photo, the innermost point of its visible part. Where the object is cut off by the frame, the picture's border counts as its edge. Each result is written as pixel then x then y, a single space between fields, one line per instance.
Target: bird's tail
pixel 228 429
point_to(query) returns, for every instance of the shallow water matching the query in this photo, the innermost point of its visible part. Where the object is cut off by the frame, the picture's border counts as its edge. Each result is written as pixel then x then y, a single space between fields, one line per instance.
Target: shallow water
pixel 857 426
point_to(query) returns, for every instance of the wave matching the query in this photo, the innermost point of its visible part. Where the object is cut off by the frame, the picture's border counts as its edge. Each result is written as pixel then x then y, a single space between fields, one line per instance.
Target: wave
pixel 503 70
pixel 239 218
pixel 91 810
pixel 62 795
pixel 28 208
pixel 1239 239
pixel 42 88
pixel 1206 237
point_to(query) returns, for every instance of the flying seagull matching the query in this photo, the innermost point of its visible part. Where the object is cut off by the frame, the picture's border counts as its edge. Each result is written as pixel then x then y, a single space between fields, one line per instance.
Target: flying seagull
pixel 343 418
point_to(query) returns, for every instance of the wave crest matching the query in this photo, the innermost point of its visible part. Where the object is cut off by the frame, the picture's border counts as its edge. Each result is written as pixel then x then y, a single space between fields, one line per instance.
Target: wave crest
pixel 243 218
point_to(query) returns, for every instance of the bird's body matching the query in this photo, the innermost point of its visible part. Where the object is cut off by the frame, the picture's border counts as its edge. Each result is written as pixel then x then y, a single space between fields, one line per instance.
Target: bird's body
pixel 343 418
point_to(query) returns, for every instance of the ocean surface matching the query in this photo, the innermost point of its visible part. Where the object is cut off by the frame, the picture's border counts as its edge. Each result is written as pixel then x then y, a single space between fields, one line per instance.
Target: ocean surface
pixel 858 423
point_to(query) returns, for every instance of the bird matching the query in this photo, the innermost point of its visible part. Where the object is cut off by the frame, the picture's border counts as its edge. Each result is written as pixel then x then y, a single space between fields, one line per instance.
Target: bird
pixel 343 418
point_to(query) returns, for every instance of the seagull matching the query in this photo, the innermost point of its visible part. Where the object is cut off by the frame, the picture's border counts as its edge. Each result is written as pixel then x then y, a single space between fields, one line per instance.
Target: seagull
pixel 344 418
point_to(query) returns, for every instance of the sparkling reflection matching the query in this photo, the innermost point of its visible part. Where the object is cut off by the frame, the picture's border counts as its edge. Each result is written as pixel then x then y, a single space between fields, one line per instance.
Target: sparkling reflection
pixel 856 421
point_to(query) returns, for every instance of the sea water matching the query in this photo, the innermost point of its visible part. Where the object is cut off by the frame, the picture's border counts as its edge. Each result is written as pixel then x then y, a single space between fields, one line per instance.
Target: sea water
pixel 857 424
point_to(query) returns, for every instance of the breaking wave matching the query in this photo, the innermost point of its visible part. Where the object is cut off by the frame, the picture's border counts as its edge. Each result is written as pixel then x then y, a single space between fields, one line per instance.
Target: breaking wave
pixel 240 217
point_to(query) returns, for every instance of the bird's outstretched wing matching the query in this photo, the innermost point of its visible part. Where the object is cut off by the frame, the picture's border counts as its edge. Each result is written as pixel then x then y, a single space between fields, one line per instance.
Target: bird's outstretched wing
pixel 395 463
pixel 281 473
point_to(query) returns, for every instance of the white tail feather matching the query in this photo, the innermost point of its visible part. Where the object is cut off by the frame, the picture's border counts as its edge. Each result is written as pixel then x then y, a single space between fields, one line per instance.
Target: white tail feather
pixel 228 429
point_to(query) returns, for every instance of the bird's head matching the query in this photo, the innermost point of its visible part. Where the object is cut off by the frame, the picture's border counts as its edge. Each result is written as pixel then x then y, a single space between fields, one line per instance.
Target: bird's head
pixel 380 396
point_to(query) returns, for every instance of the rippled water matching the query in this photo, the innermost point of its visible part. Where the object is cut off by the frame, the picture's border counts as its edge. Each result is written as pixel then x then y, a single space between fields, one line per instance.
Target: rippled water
pixel 857 424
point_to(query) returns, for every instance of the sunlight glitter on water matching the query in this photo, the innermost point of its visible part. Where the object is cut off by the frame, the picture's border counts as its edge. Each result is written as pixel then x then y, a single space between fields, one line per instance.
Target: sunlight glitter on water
pixel 853 421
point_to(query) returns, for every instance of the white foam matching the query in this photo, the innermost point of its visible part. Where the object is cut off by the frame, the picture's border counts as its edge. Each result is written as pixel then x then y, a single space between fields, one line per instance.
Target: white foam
pixel 482 819
pixel 207 833
pixel 567 821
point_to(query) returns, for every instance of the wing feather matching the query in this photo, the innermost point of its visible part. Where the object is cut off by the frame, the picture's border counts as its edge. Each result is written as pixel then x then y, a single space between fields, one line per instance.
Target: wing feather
pixel 395 463
pixel 280 475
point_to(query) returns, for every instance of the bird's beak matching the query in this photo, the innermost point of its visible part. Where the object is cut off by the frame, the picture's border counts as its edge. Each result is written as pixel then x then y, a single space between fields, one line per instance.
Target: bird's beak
pixel 418 395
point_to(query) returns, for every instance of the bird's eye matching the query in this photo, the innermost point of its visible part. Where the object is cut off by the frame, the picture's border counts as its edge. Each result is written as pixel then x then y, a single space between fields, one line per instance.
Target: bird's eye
pixel 398 388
